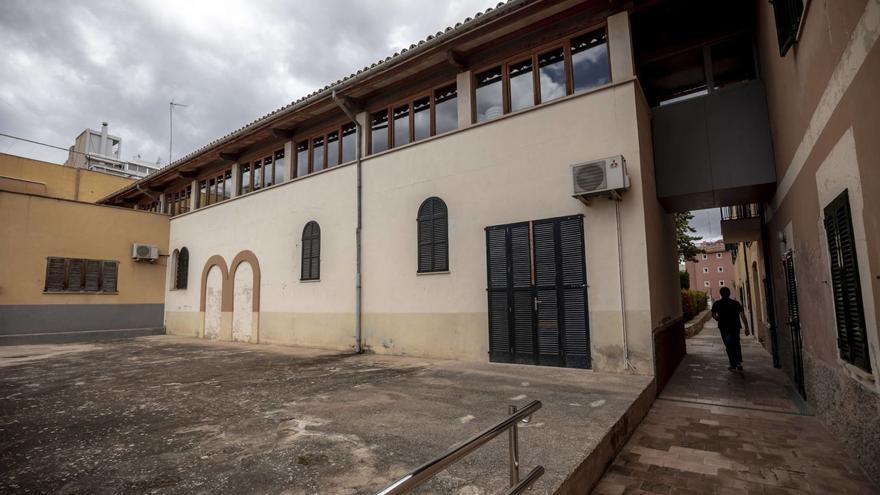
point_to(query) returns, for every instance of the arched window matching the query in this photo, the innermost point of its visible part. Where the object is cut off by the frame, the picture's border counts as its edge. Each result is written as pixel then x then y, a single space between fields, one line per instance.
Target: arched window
pixel 311 252
pixel 433 236
pixel 181 269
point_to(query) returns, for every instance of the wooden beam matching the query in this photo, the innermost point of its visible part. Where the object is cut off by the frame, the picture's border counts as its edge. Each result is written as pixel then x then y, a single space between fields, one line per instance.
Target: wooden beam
pixel 282 133
pixel 457 59
pixel 188 174
pixel 228 157
pixel 355 105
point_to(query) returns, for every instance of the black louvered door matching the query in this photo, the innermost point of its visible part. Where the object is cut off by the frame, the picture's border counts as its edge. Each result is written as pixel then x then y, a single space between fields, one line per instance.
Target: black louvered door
pixel 537 293
pixel 498 274
pixel 547 293
pixel 573 290
pixel 794 323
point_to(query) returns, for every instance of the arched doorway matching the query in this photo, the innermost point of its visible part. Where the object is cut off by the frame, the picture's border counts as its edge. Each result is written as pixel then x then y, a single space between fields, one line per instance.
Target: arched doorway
pixel 245 297
pixel 243 303
pixel 213 302
pixel 214 298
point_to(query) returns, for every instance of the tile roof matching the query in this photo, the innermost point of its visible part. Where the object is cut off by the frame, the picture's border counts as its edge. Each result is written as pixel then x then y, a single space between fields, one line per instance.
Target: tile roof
pixel 404 54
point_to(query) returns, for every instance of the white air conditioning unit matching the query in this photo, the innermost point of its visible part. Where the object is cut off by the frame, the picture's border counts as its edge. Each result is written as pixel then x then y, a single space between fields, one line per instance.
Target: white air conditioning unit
pixel 605 177
pixel 144 252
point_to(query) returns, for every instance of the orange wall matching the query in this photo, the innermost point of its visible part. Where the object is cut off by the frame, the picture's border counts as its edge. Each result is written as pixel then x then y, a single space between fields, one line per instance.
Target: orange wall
pixel 59 181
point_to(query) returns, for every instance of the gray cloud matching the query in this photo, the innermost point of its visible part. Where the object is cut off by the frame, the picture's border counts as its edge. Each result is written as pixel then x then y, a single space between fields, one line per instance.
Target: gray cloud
pixel 67 66
pixel 708 223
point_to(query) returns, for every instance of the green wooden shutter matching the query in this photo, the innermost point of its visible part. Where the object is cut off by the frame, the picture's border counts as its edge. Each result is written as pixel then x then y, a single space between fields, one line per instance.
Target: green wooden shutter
pixel 182 269
pixel 852 337
pixel 311 252
pixel 433 236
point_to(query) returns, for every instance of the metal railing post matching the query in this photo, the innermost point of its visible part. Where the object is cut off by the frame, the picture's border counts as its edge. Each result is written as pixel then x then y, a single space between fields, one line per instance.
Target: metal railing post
pixel 513 449
pixel 424 472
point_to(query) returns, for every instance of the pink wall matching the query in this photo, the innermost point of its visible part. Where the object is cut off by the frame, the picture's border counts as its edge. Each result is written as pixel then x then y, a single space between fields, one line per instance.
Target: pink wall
pixel 713 277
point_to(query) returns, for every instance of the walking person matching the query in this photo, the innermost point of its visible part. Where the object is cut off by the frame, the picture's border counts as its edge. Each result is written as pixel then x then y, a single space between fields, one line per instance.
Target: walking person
pixel 728 313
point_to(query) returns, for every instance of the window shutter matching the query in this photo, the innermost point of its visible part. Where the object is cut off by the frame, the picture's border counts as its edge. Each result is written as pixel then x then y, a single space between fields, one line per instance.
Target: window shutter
pixel 846 285
pixel 182 269
pixel 311 252
pixel 788 15
pixel 109 270
pixel 426 236
pixel 433 236
pixel 93 275
pixel 55 270
pixel 306 254
pixel 75 275
pixel 426 255
pixel 440 236
pixel 315 270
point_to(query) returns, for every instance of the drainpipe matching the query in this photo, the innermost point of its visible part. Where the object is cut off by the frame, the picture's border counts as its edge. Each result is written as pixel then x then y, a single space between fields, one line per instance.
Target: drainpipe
pixel 627 365
pixel 358 347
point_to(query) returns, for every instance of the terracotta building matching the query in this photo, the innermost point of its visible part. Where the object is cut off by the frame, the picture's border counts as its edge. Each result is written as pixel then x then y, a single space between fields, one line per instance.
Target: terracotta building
pixel 712 270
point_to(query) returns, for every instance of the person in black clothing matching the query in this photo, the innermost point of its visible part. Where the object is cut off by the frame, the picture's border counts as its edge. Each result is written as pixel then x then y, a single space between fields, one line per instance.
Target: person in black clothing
pixel 728 313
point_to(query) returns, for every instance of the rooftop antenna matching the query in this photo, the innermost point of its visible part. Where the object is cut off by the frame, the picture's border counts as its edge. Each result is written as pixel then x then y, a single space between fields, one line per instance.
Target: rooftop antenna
pixel 171 106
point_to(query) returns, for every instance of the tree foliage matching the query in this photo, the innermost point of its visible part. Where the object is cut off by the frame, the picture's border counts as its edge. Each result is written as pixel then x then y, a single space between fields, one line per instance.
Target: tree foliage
pixel 684 241
pixel 692 302
pixel 684 279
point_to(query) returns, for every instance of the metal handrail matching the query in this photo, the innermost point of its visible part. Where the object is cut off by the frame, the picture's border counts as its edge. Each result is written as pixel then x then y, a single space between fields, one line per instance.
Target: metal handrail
pixel 424 472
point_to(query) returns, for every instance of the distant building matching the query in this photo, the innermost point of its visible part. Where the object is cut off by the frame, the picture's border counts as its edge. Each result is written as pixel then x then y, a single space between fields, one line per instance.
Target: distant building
pixel 99 151
pixel 712 270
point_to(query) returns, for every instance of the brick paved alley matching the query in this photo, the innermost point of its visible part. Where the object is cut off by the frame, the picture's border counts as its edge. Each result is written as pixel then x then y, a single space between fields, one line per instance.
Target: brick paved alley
pixel 714 431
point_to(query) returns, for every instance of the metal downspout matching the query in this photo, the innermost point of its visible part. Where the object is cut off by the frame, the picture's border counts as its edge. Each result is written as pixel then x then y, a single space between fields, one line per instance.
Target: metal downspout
pixel 358 347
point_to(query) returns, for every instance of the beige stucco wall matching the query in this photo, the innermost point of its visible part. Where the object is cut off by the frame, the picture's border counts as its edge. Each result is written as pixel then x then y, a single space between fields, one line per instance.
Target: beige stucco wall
pixel 60 181
pixel 662 252
pixel 822 97
pixel 825 117
pixel 33 228
pixel 748 263
pixel 513 169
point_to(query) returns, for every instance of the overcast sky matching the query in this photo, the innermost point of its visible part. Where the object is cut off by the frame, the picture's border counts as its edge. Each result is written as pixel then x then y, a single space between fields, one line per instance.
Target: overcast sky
pixel 707 223
pixel 67 66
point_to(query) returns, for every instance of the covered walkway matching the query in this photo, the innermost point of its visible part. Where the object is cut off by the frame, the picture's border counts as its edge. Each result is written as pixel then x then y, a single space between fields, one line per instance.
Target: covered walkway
pixel 715 431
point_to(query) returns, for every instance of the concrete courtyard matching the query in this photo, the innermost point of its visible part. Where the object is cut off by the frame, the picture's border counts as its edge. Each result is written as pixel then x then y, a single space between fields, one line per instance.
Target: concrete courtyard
pixel 175 415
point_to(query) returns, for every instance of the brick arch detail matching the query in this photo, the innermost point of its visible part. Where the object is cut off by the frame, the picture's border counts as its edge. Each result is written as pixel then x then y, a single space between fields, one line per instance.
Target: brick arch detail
pixel 251 258
pixel 226 301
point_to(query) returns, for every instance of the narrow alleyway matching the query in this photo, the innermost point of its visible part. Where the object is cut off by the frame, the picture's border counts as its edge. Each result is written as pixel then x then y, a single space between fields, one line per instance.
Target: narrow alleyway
pixel 715 431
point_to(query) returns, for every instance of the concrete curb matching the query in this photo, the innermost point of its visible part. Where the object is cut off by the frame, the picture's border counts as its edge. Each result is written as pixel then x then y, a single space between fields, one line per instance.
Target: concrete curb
pixel 695 326
pixel 84 336
pixel 593 467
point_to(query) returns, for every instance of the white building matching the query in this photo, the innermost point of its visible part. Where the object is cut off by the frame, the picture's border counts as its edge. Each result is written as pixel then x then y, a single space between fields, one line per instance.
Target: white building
pixel 101 152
